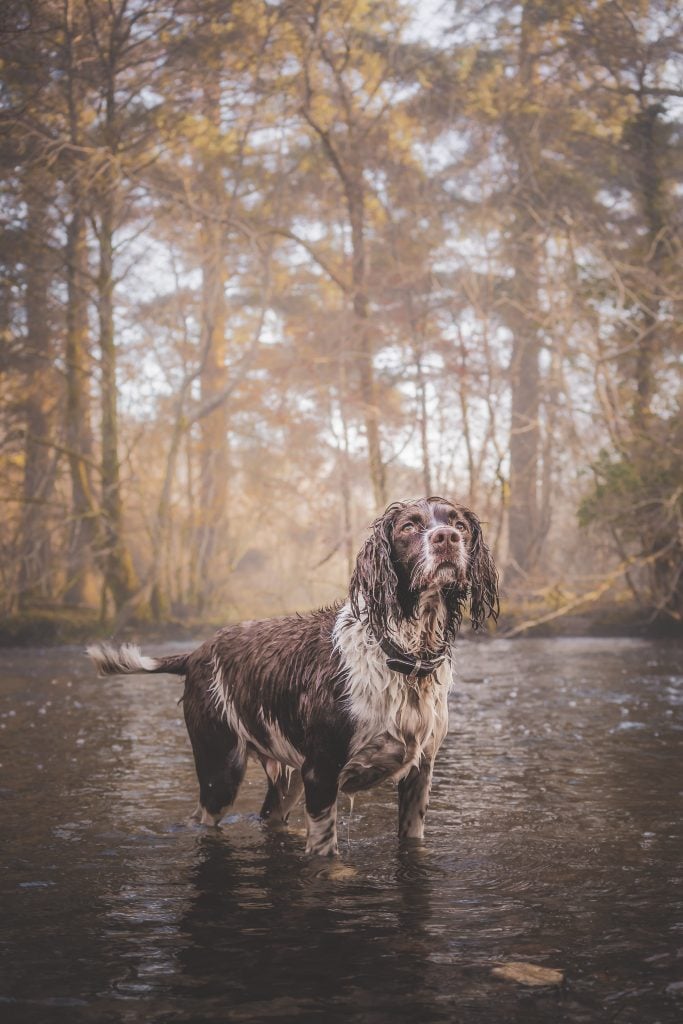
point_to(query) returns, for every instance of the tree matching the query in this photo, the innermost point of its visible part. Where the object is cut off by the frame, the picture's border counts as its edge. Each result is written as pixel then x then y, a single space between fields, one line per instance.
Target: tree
pixel 30 198
pixel 637 493
pixel 75 168
pixel 346 94
pixel 34 568
pixel 264 256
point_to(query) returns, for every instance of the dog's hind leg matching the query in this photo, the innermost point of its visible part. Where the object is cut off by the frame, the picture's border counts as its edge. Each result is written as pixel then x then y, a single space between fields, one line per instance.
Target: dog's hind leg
pixel 220 759
pixel 285 787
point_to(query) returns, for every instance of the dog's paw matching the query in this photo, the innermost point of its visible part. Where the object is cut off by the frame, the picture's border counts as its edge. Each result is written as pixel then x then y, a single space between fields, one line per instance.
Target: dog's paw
pixel 201 816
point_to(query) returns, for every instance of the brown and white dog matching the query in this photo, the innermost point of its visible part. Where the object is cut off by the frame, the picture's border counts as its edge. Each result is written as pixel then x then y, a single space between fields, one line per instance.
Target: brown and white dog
pixel 342 698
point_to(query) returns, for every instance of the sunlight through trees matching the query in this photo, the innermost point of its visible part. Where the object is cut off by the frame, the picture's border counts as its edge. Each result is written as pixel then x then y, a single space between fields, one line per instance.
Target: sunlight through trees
pixel 267 266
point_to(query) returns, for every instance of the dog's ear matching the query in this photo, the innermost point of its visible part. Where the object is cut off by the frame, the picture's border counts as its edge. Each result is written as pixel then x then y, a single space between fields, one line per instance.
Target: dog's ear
pixel 483 577
pixel 373 587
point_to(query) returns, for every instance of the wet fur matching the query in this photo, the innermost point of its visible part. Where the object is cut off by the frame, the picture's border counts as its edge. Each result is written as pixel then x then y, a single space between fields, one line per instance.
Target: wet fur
pixel 311 695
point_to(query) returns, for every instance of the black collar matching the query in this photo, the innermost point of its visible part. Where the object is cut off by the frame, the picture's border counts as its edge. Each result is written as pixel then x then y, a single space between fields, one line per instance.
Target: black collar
pixel 411 665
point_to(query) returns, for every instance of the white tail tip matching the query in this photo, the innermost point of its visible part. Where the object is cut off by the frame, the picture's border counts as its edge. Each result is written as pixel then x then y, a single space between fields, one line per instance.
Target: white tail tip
pixel 127 660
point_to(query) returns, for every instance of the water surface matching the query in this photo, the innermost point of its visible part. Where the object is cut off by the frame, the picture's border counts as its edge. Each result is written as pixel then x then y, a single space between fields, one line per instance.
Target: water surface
pixel 554 838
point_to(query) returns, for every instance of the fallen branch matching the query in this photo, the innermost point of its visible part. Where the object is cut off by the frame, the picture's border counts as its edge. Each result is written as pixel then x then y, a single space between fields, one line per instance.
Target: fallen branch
pixel 588 598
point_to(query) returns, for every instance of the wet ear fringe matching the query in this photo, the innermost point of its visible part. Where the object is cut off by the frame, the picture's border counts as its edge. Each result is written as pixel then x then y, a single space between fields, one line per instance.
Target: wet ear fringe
pixel 373 587
pixel 484 603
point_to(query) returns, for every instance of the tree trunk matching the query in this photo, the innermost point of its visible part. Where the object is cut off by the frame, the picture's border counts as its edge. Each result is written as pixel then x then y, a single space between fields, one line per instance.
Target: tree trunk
pixel 363 347
pixel 652 201
pixel 524 433
pixel 522 319
pixel 191 594
pixel 119 573
pixel 661 533
pixel 83 527
pixel 34 565
pixel 421 388
pixel 463 399
pixel 84 512
pixel 344 468
pixel 213 443
pixel 162 523
pixel 213 437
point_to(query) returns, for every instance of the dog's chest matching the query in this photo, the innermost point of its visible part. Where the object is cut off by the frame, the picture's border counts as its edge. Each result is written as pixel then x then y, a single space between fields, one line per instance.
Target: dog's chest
pixel 396 729
pixel 396 720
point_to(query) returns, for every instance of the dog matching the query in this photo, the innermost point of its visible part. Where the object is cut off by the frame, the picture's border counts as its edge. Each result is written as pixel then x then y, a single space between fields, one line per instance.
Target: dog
pixel 340 699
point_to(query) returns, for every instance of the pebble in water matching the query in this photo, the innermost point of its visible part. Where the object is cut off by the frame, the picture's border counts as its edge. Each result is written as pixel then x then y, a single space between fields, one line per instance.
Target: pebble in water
pixel 529 974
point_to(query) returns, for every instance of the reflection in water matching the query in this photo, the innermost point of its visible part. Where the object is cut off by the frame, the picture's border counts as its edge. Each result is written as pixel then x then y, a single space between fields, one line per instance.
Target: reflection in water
pixel 554 838
pixel 303 941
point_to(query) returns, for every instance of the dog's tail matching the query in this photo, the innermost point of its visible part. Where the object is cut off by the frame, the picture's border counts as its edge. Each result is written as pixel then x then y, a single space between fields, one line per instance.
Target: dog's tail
pixel 128 660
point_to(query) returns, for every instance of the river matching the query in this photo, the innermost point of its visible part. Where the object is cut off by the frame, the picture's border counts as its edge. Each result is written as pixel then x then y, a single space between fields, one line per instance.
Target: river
pixel 554 838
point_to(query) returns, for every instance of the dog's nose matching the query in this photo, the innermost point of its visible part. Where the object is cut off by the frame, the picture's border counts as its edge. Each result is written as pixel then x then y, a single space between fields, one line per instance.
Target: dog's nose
pixel 444 539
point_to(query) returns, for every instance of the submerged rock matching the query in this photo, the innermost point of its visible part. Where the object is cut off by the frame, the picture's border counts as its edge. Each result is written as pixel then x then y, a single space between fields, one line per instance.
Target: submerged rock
pixel 528 974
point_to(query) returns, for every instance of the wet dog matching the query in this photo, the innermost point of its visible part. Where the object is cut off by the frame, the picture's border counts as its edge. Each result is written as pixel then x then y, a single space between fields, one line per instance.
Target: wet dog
pixel 341 699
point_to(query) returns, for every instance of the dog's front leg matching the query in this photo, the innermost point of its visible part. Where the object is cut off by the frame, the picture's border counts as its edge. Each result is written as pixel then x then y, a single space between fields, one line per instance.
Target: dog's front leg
pixel 413 800
pixel 321 786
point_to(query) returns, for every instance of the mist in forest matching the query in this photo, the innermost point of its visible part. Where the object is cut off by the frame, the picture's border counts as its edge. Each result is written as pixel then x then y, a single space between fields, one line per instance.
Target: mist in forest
pixel 267 267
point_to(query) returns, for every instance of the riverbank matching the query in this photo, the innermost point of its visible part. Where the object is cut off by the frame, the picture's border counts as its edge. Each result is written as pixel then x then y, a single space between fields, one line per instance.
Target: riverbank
pixel 47 628
pixel 54 627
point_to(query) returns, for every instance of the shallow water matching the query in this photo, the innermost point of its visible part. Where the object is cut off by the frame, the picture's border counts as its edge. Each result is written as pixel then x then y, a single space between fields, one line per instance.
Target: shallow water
pixel 554 838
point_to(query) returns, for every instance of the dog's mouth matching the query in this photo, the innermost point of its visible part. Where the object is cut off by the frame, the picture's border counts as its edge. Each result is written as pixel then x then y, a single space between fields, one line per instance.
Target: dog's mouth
pixel 439 573
pixel 447 572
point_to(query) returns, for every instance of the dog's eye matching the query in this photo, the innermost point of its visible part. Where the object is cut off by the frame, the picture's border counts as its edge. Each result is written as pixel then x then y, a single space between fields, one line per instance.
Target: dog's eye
pixel 461 526
pixel 408 527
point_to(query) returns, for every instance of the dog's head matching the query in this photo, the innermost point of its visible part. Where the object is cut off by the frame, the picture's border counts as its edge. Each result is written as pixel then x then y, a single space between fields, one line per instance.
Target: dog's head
pixel 429 546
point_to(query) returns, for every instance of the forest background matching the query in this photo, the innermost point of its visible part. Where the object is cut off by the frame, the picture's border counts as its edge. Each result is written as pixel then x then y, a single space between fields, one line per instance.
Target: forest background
pixel 268 266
